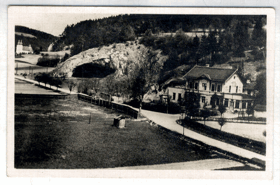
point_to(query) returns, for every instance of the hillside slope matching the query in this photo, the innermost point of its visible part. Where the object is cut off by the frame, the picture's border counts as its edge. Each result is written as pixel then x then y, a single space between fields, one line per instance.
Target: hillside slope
pixel 37 39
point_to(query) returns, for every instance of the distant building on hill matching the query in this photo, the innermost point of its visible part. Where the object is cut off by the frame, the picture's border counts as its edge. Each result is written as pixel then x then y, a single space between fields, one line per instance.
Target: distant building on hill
pixel 21 49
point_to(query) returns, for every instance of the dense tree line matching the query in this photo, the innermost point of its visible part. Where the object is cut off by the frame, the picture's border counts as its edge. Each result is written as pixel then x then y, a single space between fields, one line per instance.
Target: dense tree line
pixel 94 33
pixel 215 46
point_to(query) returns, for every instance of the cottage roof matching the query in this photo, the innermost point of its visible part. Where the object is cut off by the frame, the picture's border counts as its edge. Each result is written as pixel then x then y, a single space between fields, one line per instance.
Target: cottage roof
pixel 215 74
pixel 175 82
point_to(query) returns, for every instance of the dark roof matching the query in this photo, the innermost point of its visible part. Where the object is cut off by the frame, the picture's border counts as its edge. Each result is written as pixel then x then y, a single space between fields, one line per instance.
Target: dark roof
pixel 175 82
pixel 250 86
pixel 215 74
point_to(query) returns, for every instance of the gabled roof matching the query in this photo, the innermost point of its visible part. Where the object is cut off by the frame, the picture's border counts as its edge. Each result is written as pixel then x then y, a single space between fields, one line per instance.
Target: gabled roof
pixel 214 74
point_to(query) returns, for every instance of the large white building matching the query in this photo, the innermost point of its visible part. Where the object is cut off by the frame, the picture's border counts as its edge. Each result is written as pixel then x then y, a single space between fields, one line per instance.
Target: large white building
pixel 20 49
pixel 213 86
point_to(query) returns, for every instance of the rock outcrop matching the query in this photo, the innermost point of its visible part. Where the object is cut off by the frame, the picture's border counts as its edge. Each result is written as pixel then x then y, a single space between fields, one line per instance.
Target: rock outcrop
pixel 121 58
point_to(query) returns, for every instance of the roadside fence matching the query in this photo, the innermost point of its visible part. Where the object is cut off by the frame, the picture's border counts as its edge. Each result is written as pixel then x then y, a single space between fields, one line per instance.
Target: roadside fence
pixel 126 109
pixel 233 120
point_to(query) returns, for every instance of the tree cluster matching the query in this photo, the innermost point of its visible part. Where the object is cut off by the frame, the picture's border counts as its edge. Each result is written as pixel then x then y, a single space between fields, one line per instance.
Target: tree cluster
pixel 94 33
pixel 47 78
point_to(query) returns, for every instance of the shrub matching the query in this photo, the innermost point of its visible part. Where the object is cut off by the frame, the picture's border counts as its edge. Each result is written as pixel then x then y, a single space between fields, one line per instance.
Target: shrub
pixel 213 112
pixel 222 109
pixel 65 57
pixel 24 75
pixel 222 122
pixel 133 103
pixel 205 114
pixel 48 61
pixel 56 81
pixel 71 84
pixel 260 67
pixel 173 108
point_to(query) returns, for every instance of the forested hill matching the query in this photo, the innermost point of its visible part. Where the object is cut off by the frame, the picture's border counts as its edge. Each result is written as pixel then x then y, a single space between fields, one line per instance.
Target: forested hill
pixel 95 33
pixel 39 40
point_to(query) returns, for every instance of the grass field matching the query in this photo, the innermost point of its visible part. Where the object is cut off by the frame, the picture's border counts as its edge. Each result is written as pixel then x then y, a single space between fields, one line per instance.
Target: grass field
pixel 56 134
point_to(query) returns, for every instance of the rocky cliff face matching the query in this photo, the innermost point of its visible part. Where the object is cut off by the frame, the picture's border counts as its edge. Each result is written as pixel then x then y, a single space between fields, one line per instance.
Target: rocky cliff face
pixel 119 58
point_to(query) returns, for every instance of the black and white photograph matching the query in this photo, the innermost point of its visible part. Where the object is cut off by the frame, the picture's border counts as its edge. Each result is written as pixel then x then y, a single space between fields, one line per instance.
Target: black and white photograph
pixel 140 89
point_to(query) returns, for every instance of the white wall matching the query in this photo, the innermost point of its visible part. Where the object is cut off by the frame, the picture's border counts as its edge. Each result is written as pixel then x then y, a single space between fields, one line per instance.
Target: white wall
pixel 259 114
pixel 234 81
pixel 175 90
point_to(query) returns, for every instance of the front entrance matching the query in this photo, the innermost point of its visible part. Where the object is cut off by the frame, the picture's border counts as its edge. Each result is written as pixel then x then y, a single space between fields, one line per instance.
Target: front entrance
pixel 231 105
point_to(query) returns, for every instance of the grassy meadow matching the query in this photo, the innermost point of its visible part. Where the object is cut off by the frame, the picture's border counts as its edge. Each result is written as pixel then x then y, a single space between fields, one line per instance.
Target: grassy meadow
pixel 68 134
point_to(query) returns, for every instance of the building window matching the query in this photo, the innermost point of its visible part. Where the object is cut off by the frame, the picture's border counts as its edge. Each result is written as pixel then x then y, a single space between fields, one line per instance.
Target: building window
pixel 203 99
pixel 196 85
pixel 236 89
pixel 191 85
pixel 219 88
pixel 237 104
pixel 243 105
pixel 226 102
pixel 204 85
pixel 213 87
pixel 174 96
pixel 229 88
pixel 179 97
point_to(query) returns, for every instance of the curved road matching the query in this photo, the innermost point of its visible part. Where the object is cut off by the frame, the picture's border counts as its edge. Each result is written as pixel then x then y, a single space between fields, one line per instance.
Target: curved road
pixel 169 121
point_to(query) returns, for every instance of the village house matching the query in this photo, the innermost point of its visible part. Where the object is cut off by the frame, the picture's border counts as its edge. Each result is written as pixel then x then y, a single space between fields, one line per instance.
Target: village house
pixel 214 86
pixel 20 49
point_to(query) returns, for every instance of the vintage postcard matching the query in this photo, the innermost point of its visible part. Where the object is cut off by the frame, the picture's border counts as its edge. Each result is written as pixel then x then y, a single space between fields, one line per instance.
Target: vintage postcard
pixel 134 92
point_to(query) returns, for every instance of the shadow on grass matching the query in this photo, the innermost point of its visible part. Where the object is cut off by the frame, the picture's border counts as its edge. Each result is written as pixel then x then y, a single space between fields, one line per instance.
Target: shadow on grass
pixel 33 144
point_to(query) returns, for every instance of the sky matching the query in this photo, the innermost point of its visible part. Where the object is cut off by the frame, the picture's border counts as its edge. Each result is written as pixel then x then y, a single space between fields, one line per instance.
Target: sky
pixel 52 22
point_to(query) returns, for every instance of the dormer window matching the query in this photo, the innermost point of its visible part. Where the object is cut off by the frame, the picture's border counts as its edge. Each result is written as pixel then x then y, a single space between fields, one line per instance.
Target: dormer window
pixel 204 85
pixel 213 87
pixel 219 88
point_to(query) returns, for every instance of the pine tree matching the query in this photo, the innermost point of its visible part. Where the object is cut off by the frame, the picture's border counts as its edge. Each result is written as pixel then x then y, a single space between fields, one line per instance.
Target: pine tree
pixel 259 34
